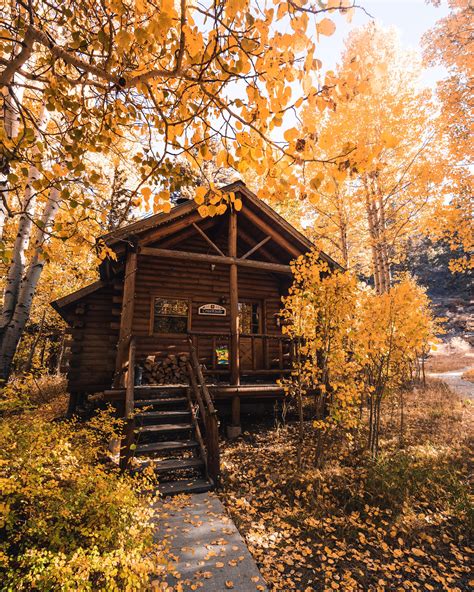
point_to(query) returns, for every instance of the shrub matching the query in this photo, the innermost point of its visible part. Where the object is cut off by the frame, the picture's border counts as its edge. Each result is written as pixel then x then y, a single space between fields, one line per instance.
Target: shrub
pixel 30 390
pixel 69 520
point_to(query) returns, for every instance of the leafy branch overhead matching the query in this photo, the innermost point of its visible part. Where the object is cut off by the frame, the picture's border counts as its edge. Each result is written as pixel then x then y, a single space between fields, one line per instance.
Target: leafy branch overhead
pixel 171 76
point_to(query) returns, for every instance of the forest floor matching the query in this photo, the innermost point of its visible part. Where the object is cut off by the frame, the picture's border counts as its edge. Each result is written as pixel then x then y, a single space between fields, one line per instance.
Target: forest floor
pixel 403 522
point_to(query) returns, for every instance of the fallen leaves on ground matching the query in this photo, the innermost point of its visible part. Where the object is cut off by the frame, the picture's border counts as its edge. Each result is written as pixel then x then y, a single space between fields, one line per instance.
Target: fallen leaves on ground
pixel 398 524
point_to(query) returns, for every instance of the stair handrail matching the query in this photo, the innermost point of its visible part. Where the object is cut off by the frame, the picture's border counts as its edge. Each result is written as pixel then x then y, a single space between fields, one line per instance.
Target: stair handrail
pixel 200 376
pixel 208 413
pixel 194 418
pixel 129 380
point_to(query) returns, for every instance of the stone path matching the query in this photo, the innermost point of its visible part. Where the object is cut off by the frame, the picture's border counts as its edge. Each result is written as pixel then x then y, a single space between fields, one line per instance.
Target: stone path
pixel 454 380
pixel 210 554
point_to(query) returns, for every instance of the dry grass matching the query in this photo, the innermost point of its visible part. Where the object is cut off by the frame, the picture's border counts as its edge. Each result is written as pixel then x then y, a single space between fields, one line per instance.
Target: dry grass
pixel 47 393
pixel 469 375
pixel 448 362
pixel 454 354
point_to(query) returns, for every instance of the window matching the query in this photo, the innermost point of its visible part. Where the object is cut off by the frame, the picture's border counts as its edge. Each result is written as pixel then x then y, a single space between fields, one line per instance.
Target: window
pixel 249 317
pixel 170 315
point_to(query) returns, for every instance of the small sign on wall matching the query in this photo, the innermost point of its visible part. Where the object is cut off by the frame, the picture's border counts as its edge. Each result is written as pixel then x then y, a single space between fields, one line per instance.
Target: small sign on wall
pixel 212 310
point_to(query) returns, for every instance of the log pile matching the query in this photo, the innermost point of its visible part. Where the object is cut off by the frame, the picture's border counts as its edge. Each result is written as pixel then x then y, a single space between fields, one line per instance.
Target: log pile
pixel 168 370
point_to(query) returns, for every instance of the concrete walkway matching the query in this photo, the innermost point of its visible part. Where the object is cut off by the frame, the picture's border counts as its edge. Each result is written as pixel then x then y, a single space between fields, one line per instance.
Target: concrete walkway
pixel 454 380
pixel 210 554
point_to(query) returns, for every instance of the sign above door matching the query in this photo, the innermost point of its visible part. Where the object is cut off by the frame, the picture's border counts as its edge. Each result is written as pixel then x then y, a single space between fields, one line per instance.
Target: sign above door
pixel 212 310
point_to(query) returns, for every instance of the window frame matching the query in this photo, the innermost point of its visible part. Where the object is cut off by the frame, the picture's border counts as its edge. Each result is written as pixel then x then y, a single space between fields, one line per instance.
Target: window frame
pixel 261 320
pixel 186 299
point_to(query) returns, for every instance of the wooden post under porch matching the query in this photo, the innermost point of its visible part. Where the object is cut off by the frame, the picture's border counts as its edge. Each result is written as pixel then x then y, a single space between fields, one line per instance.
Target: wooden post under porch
pixel 234 360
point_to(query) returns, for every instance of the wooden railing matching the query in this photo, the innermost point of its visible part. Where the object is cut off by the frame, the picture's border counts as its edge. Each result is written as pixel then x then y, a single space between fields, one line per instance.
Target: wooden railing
pixel 281 362
pixel 208 414
pixel 128 381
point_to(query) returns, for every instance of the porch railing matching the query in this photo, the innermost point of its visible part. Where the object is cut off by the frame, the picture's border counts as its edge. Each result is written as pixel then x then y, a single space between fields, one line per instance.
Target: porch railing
pixel 272 361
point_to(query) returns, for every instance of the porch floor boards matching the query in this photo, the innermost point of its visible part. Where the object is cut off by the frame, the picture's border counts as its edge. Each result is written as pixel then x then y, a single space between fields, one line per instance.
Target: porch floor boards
pixel 218 391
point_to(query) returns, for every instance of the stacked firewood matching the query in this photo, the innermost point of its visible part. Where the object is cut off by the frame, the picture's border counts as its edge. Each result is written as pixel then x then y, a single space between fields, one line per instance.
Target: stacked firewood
pixel 168 370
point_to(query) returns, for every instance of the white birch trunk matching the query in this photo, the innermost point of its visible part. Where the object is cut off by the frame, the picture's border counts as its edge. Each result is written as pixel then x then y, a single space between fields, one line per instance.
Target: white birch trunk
pixel 369 208
pixel 3 209
pixel 11 121
pixel 11 125
pixel 28 286
pixel 22 239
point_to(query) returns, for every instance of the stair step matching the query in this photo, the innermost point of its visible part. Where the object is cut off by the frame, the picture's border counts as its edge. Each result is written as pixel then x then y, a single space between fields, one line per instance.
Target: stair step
pixel 143 392
pixel 166 446
pixel 165 427
pixel 164 415
pixel 157 402
pixel 185 486
pixel 172 464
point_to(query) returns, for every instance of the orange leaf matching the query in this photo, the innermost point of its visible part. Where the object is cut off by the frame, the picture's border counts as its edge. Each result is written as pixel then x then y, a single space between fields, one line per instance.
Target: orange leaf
pixel 326 27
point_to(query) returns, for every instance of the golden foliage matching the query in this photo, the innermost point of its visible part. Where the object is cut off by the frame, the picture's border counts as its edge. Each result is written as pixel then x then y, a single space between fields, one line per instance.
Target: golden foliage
pixel 69 519
pixel 352 342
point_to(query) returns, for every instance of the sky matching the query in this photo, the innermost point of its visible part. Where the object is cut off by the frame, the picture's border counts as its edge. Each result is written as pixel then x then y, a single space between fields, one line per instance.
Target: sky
pixel 411 17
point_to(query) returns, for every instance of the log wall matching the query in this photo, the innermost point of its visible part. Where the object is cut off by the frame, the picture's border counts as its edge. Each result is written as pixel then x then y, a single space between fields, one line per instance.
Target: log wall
pixel 92 340
pixel 95 319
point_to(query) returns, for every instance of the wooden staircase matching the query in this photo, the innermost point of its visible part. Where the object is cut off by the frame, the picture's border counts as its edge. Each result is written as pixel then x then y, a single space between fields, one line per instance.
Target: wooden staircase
pixel 174 430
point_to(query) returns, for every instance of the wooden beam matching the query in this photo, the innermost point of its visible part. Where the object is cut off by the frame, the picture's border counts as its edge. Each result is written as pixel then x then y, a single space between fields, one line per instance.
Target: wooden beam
pixel 182 236
pixel 256 247
pixel 234 307
pixel 267 229
pixel 126 320
pixel 249 240
pixel 207 239
pixel 202 257
pixel 169 229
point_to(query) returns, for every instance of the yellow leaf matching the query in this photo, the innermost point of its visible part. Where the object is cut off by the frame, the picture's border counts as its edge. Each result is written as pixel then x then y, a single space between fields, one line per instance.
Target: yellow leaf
pixel 291 134
pixel 59 170
pixel 146 192
pixel 389 139
pixel 316 181
pixel 238 205
pixel 200 194
pixel 326 27
pixel 203 211
pixel 123 39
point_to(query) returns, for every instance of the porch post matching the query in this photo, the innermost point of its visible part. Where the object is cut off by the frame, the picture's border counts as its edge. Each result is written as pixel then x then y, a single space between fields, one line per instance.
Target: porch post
pixel 126 318
pixel 234 324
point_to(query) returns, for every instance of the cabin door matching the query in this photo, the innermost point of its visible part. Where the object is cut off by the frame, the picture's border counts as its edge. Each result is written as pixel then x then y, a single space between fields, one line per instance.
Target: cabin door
pixel 251 346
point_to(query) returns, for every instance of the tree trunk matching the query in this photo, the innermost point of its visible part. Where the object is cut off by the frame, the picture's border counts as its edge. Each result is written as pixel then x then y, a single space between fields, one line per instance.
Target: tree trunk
pixel 383 239
pixel 17 266
pixel 27 287
pixel 10 109
pixel 62 349
pixel 299 396
pixel 34 345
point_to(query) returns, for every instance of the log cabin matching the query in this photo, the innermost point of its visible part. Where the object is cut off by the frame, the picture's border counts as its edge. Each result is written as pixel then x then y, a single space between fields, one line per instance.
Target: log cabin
pixel 184 321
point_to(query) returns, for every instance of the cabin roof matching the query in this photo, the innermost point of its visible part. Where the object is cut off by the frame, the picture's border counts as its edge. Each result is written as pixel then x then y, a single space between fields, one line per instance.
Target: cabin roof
pixel 182 210
pixel 120 238
pixel 77 295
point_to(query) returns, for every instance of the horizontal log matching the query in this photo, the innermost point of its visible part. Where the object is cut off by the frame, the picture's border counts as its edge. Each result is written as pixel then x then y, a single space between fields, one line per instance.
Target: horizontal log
pixel 216 259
